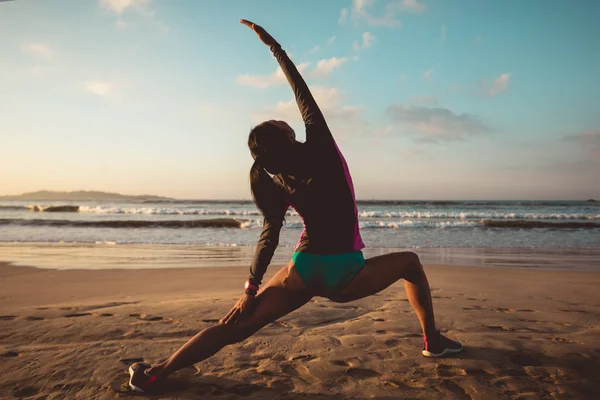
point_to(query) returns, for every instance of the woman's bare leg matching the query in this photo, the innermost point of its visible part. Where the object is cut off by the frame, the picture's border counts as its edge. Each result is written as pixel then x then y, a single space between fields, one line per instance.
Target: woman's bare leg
pixel 382 271
pixel 284 293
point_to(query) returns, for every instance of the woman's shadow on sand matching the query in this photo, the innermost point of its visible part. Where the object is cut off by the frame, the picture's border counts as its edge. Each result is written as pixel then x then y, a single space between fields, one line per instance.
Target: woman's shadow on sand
pixel 580 372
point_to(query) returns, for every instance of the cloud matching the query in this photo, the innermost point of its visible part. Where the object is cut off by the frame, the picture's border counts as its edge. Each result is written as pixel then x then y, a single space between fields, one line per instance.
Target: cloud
pixel 427 74
pixel 435 124
pixel 360 12
pixel 443 34
pixel 325 67
pixel 499 85
pixel 589 142
pixel 264 81
pixel 331 40
pixel 140 7
pixel 99 88
pixel 120 6
pixel 425 99
pixel 329 100
pixel 411 6
pixel 367 40
pixel 38 49
pixel 343 16
pixel 314 49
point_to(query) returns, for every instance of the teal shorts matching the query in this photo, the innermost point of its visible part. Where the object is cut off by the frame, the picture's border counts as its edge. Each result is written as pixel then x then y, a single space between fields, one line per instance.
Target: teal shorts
pixel 328 273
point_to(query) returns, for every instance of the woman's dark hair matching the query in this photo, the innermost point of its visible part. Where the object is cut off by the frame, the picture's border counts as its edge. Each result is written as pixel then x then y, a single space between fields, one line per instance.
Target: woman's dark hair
pixel 269 194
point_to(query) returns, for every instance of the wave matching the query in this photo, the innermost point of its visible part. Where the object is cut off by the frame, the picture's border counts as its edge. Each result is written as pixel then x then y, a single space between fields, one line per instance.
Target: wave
pixel 38 208
pixel 201 223
pixel 463 215
pixel 474 215
pixel 555 203
pixel 540 224
pixel 164 211
pixel 418 224
pixel 257 224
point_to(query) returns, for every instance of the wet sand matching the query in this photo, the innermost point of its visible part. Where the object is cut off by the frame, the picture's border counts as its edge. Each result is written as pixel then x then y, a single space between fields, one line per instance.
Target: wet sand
pixel 529 334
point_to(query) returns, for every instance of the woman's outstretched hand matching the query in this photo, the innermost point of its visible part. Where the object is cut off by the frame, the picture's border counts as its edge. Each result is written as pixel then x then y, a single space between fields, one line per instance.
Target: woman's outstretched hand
pixel 242 309
pixel 263 35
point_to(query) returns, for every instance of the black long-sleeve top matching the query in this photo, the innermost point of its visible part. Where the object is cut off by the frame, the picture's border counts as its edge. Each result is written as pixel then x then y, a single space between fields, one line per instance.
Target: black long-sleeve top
pixel 325 200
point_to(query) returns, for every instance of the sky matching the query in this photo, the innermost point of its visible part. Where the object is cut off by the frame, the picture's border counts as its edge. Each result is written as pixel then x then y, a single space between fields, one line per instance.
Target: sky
pixel 448 99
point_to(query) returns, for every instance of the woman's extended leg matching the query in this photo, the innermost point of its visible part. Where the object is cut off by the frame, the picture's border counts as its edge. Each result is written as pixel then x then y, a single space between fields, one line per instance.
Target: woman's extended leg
pixel 284 293
pixel 382 271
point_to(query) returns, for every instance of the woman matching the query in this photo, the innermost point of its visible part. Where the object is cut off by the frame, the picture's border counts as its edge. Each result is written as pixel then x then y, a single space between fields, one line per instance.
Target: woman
pixel 313 178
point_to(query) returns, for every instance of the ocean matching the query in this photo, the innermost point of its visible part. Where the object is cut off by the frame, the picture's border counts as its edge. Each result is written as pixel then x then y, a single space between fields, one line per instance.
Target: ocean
pixel 384 224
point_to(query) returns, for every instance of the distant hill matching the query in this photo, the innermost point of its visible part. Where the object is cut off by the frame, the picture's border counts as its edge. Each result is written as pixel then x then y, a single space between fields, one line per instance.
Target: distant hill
pixel 80 195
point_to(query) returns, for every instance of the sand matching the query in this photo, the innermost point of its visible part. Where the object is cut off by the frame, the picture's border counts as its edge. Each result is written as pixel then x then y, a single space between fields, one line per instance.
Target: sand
pixel 529 334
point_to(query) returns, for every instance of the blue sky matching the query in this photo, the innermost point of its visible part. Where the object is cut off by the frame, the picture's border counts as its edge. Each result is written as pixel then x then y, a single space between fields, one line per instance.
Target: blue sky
pixel 427 99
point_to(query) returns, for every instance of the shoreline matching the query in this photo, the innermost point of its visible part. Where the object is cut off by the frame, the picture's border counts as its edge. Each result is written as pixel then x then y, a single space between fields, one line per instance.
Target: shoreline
pixel 99 256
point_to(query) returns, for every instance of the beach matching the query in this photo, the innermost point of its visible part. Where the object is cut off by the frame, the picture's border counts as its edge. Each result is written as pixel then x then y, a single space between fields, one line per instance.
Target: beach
pixel 529 333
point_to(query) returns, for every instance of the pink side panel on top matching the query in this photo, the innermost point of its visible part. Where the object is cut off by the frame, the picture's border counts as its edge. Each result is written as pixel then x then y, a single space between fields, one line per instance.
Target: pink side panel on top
pixel 358 243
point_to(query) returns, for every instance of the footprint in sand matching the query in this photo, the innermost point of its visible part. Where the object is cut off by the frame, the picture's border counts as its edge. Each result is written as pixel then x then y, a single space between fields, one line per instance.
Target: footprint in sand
pixel 477 372
pixel 512 373
pixel 305 357
pixel 66 308
pixel 525 360
pixel 380 331
pixel 7 317
pixel 378 319
pixel 441 297
pixel 10 354
pixel 505 310
pixel 525 310
pixel 34 318
pixel 577 311
pixel 25 392
pixel 243 390
pixel 400 385
pixel 407 335
pixel 361 373
pixel 563 340
pixel 455 389
pixel 340 363
pixel 129 361
pixel 211 321
pixel 106 315
pixel 146 317
pixel 499 328
pixel 77 315
pixel 448 370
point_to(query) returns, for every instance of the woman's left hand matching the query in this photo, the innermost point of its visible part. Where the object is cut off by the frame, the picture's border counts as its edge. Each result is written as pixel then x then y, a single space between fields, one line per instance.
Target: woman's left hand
pixel 242 309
